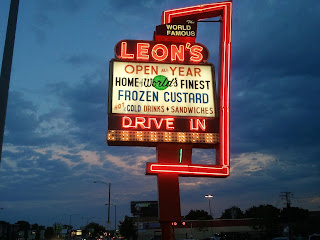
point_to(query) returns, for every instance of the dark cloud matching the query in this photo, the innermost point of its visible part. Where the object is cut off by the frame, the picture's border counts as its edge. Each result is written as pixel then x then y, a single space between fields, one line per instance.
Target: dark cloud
pixel 21 120
pixel 70 6
pixel 276 37
pixel 47 11
pixel 81 59
pixel 86 107
pixel 274 78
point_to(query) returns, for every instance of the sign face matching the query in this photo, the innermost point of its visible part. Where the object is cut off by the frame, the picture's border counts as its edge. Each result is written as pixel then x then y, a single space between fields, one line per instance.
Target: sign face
pixel 144 208
pixel 188 29
pixel 161 52
pixel 178 31
pixel 162 90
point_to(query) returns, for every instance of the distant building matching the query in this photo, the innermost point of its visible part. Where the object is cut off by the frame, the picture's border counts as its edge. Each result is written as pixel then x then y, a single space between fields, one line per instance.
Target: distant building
pixel 199 229
pixel 13 232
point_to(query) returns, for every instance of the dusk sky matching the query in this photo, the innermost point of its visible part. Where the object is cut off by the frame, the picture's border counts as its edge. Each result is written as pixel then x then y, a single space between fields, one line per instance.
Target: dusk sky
pixel 54 144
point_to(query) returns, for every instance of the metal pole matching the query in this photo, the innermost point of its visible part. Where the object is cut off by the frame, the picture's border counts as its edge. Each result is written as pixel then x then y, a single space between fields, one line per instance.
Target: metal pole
pixel 109 204
pixel 70 226
pixel 115 219
pixel 6 66
pixel 209 196
pixel 109 199
pixel 210 208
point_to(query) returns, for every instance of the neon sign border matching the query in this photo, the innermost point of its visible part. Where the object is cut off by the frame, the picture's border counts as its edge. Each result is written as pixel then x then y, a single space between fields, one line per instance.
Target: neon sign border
pixel 224 10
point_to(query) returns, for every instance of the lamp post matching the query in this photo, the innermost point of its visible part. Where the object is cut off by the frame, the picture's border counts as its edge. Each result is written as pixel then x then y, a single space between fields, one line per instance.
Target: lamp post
pixel 209 196
pixel 115 217
pixel 109 186
pixel 6 65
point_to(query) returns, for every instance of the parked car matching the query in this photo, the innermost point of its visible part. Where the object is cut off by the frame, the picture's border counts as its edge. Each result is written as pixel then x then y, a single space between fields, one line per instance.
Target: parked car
pixel 314 237
pixel 215 236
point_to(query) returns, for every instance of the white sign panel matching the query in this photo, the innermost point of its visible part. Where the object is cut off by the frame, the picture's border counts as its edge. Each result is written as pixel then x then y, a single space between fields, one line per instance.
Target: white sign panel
pixel 162 89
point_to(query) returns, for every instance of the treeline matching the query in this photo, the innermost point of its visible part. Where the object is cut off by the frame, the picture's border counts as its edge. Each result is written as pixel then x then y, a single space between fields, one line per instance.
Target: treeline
pixel 292 220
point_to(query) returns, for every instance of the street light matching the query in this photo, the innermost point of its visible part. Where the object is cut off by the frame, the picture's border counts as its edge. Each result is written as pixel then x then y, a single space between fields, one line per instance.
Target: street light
pixel 115 217
pixel 109 186
pixel 209 196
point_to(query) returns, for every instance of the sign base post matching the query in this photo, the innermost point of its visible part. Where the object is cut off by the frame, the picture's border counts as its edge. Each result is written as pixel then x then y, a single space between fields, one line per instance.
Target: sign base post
pixel 168 190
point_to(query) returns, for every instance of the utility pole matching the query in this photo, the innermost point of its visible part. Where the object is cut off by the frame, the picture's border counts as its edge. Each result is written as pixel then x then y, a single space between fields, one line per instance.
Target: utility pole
pixel 286 196
pixel 109 201
pixel 6 66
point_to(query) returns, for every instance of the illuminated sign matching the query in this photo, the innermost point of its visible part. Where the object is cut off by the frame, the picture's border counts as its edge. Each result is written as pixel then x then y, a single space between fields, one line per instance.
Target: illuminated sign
pixel 222 166
pixel 144 208
pixel 184 31
pixel 151 130
pixel 163 92
pixel 162 89
pixel 191 170
pixel 179 30
pixel 150 51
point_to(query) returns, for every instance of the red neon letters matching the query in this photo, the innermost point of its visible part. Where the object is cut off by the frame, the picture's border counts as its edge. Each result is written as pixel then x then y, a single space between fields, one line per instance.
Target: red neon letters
pixel 147 123
pixel 195 125
pixel 144 123
pixel 161 51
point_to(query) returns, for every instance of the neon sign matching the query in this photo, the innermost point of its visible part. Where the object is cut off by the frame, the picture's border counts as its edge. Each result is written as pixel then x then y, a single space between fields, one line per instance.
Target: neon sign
pixel 163 93
pixel 147 123
pixel 151 51
pixel 163 123
pixel 222 169
pixel 193 170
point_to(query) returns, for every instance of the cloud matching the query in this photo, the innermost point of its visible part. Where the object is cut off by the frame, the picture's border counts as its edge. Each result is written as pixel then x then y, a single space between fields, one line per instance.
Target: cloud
pixel 283 40
pixel 81 59
pixel 248 163
pixel 26 126
pixel 133 165
pixel 46 12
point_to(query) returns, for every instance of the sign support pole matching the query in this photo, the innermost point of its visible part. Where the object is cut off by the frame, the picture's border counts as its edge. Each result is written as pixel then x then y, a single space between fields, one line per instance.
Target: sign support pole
pixel 168 187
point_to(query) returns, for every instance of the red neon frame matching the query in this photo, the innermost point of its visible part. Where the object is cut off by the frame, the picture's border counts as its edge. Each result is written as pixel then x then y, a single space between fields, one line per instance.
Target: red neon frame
pixel 193 170
pixel 222 169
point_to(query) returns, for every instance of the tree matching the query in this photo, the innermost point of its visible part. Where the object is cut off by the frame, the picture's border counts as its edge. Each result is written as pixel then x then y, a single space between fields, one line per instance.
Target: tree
pixel 24 226
pixel 265 218
pixel 57 228
pixel 5 230
pixel 127 228
pixel 49 233
pixel 95 229
pixel 232 213
pixel 298 219
pixel 198 215
pixel 37 229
